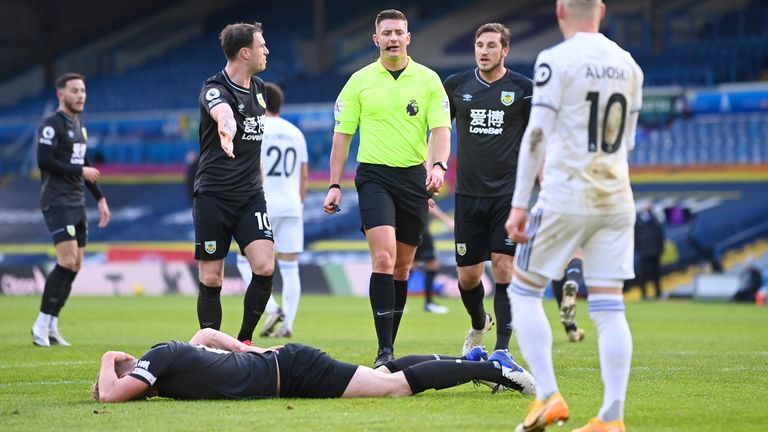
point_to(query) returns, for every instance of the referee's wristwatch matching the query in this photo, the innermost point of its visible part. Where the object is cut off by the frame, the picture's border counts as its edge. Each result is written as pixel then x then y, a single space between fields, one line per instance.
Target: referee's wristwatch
pixel 441 164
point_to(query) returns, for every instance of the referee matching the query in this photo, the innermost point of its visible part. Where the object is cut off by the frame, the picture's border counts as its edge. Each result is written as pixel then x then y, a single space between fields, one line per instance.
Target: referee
pixel 491 105
pixel 64 168
pixel 228 193
pixel 393 101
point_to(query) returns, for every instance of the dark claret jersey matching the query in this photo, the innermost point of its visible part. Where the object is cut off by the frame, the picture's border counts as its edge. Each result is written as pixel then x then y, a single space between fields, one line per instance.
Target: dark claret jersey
pixel 217 173
pixel 184 371
pixel 61 147
pixel 490 121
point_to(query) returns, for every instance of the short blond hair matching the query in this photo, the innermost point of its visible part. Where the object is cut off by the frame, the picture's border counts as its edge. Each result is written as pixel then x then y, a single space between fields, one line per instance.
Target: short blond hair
pixel 582 9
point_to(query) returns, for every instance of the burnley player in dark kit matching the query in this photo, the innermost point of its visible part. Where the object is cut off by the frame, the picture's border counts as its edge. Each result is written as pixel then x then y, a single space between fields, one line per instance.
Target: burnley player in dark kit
pixel 65 169
pixel 213 365
pixel 491 105
pixel 228 195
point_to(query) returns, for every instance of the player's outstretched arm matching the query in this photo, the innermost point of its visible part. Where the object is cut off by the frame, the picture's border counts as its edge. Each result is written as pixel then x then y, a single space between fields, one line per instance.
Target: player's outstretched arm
pixel 219 340
pixel 223 116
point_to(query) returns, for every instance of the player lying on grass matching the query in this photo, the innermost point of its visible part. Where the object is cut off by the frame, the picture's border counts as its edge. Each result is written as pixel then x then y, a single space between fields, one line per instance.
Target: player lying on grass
pixel 214 365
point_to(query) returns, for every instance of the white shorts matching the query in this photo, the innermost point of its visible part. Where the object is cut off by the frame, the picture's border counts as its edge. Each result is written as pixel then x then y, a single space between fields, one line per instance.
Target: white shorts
pixel 288 234
pixel 607 243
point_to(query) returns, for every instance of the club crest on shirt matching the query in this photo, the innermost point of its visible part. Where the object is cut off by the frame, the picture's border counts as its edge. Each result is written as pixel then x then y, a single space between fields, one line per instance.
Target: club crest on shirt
pixel 85 133
pixel 71 230
pixel 210 247
pixel 507 98
pixel 461 249
pixel 412 108
pixel 262 102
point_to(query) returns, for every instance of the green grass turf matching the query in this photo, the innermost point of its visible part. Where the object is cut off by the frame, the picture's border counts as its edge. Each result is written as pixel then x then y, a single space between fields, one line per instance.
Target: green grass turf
pixel 697 367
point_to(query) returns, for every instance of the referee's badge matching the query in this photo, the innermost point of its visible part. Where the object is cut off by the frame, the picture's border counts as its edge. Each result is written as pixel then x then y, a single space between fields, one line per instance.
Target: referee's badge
pixel 210 247
pixel 507 98
pixel 461 249
pixel 262 102
pixel 71 230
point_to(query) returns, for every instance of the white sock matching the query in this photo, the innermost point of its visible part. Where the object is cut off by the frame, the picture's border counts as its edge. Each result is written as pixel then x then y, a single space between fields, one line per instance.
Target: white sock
pixel 614 341
pixel 43 320
pixel 54 323
pixel 289 271
pixel 244 267
pixel 534 335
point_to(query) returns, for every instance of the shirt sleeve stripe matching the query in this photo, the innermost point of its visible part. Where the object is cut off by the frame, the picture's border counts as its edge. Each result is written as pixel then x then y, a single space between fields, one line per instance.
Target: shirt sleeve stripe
pixel 545 106
pixel 147 375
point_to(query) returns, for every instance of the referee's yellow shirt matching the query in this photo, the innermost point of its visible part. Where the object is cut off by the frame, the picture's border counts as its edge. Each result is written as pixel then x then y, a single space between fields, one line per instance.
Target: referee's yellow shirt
pixel 393 115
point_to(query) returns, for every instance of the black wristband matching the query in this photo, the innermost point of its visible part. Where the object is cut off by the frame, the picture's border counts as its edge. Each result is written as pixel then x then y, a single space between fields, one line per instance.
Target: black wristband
pixel 335 185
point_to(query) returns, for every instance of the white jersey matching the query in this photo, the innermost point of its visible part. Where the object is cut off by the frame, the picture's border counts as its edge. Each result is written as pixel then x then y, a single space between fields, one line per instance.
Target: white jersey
pixel 593 85
pixel 283 151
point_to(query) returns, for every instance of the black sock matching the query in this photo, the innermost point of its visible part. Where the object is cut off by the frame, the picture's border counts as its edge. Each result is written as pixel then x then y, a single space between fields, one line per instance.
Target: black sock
pixel 503 311
pixel 403 363
pixel 557 290
pixel 255 301
pixel 575 272
pixel 209 306
pixel 52 292
pixel 401 296
pixel 65 291
pixel 429 281
pixel 440 374
pixel 382 296
pixel 473 302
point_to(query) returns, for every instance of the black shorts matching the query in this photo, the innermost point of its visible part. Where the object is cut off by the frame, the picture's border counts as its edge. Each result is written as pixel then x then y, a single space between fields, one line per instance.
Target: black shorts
pixel 67 223
pixel 218 218
pixel 479 228
pixel 426 249
pixel 307 372
pixel 393 196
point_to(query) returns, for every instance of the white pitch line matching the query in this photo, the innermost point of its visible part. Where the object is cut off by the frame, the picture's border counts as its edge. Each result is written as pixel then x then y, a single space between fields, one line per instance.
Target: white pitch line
pixel 43 364
pixel 34 383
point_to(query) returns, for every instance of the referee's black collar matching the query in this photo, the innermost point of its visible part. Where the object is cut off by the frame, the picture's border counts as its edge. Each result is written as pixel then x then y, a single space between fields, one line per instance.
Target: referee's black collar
pixel 232 83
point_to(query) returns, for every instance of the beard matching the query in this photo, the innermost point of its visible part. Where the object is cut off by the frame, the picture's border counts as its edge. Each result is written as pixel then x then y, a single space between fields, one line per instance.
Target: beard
pixel 73 107
pixel 490 66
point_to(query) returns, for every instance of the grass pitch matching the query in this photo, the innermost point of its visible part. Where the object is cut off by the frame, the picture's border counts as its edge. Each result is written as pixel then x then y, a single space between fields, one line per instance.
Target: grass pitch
pixel 696 367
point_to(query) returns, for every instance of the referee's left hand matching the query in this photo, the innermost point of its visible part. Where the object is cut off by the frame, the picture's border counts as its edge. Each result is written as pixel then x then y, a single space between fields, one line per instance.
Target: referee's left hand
pixel 435 179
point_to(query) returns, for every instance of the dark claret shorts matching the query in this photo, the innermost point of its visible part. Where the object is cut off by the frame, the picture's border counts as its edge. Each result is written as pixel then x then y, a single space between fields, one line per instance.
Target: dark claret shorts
pixel 67 223
pixel 218 218
pixel 393 196
pixel 307 372
pixel 479 228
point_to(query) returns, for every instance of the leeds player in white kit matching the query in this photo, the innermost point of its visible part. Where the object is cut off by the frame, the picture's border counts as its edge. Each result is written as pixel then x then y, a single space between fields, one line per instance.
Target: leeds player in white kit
pixel 284 162
pixel 586 101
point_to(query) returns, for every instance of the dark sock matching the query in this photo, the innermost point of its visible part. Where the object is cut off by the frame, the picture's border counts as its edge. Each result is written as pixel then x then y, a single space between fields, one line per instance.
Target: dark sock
pixel 255 301
pixel 403 363
pixel 54 285
pixel 401 296
pixel 65 291
pixel 382 296
pixel 575 272
pixel 440 374
pixel 557 290
pixel 473 302
pixel 503 311
pixel 429 281
pixel 209 306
